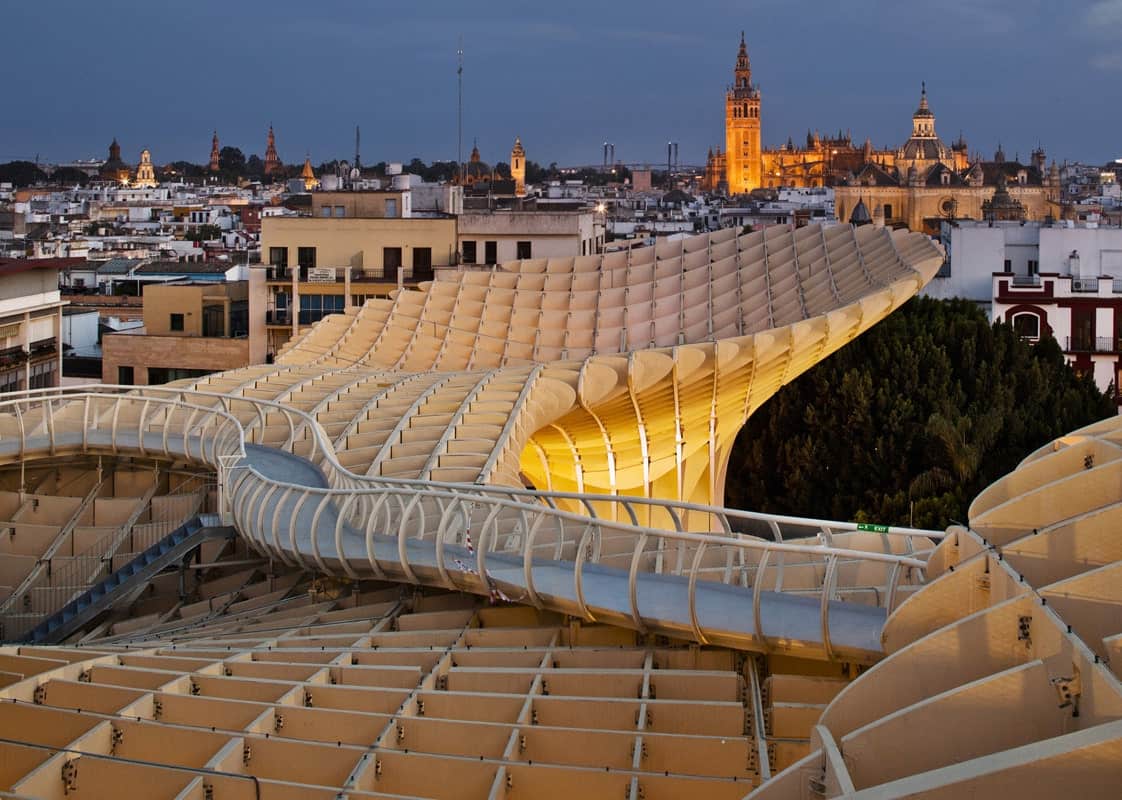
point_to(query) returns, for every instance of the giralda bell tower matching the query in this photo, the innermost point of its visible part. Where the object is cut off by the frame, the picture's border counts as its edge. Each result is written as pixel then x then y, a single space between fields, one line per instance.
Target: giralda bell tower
pixel 742 128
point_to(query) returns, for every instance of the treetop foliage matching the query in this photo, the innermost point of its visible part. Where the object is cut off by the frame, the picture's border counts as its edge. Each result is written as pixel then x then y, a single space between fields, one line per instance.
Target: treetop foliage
pixel 909 422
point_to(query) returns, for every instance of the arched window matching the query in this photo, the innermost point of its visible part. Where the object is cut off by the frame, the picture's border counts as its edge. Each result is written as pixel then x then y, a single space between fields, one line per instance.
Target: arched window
pixel 1026 325
pixel 745 112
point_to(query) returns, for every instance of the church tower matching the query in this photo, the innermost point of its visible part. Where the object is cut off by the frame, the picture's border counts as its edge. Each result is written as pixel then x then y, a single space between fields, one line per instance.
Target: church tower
pixel 272 162
pixel 742 128
pixel 308 175
pixel 214 153
pixel 145 172
pixel 518 168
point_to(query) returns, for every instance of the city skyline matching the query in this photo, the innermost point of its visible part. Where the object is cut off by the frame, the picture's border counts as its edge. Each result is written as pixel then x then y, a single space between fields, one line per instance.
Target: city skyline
pixel 1001 72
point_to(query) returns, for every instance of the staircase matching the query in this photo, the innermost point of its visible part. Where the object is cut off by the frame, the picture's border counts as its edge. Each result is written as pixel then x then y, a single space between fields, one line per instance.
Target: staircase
pixel 102 596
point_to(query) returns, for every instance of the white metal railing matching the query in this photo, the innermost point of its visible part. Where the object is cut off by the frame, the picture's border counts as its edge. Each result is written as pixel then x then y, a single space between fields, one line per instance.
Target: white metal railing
pixel 511 525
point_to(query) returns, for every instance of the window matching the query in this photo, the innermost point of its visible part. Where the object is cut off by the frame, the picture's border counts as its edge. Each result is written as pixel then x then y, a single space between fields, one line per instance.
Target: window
pixel 340 212
pixel 391 206
pixel 1027 325
pixel 42 375
pixel 176 322
pixel 125 376
pixel 314 307
pixel 469 252
pixel 490 252
pixel 1082 330
pixel 523 250
pixel 391 260
pixel 1033 266
pixel 422 261
pixel 306 256
pixel 887 211
pixel 1008 265
pixel 325 211
pixel 158 375
pixel 278 256
pixel 214 320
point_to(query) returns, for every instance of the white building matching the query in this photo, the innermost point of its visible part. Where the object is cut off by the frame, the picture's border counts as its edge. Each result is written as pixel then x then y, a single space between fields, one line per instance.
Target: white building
pixel 492 237
pixel 1024 251
pixel 1068 283
pixel 30 324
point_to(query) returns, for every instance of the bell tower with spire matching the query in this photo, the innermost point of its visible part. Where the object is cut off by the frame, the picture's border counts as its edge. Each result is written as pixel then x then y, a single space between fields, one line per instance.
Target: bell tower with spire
pixel 518 167
pixel 742 128
pixel 272 162
pixel 214 153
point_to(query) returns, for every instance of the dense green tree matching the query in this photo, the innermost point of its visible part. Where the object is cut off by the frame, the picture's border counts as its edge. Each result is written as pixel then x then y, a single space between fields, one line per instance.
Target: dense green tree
pixel 202 233
pixel 69 176
pixel 231 160
pixel 254 167
pixel 21 173
pixel 185 169
pixel 908 423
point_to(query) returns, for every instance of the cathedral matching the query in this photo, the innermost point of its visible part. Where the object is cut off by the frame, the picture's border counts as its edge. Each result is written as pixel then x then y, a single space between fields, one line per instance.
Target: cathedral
pixel 918 184
pixel 745 164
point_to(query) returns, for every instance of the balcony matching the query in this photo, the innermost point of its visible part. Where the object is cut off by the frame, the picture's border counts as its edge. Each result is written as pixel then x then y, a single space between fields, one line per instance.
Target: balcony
pixel 283 317
pixel 1089 285
pixel 278 273
pixel 1092 344
pixel 1026 281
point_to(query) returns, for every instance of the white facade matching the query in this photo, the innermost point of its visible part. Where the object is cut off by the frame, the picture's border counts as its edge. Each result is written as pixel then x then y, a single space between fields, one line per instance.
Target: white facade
pixel 976 251
pixel 1083 314
pixel 498 236
pixel 30 326
pixel 79 331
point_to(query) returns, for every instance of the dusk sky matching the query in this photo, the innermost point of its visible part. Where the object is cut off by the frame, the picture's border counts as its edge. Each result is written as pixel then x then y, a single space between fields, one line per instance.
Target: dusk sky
pixel 565 76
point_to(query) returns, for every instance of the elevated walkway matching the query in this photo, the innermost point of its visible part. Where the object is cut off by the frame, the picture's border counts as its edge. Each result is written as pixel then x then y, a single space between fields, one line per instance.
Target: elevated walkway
pixel 812 597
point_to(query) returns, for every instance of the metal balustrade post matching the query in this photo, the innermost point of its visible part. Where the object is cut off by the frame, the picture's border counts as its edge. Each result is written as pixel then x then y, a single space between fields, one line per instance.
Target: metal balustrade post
pixel 827 595
pixel 692 593
pixel 528 559
pixel 402 540
pixel 632 581
pixel 371 519
pixel 578 571
pixel 324 501
pixel 757 599
pixel 340 517
pixel 280 504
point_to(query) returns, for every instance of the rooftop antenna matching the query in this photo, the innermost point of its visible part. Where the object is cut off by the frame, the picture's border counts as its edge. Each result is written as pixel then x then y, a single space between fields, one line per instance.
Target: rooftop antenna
pixel 460 108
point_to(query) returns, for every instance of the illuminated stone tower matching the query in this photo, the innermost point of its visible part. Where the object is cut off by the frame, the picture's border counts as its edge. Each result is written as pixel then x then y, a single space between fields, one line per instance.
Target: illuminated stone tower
pixel 214 153
pixel 308 175
pixel 145 172
pixel 742 128
pixel 272 162
pixel 518 167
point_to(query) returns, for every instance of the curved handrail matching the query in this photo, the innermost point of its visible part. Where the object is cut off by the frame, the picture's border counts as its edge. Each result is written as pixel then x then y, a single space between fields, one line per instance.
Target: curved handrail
pixel 218 429
pixel 321 444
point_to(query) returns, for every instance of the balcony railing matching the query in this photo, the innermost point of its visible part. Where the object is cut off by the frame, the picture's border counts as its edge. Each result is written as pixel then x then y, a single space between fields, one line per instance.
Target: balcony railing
pixel 278 317
pixel 1026 280
pixel 277 273
pixel 1092 344
pixel 1085 284
pixel 1117 286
